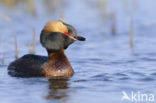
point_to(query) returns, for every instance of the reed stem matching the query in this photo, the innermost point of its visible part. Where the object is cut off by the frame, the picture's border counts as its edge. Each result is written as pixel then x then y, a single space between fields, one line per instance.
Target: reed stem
pixel 34 41
pixel 62 15
pixel 113 24
pixel 29 47
pixel 16 47
pixel 2 60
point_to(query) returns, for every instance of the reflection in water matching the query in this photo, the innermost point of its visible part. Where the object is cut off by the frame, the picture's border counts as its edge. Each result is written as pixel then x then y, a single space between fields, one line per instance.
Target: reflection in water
pixel 58 89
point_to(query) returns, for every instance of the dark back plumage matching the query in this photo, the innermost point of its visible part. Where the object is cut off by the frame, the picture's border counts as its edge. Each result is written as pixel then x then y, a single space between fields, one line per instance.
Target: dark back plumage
pixel 28 66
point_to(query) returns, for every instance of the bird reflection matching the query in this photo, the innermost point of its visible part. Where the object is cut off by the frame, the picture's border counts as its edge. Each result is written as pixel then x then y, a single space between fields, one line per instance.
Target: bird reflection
pixel 58 89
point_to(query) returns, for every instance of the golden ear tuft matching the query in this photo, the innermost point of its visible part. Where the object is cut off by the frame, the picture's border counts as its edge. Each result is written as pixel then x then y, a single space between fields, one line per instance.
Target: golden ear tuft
pixel 55 26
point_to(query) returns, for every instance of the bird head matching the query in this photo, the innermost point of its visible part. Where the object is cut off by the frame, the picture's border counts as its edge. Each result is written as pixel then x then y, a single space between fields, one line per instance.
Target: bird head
pixel 58 34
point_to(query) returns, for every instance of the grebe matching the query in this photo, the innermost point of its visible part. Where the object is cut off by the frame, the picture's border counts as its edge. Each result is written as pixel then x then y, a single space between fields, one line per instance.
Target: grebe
pixel 56 36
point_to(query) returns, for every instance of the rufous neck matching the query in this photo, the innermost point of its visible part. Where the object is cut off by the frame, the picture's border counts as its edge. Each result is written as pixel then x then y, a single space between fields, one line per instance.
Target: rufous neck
pixel 58 65
pixel 58 56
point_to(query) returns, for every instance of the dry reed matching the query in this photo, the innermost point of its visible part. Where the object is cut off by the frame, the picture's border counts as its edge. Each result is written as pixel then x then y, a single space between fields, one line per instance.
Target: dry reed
pixel 62 15
pixel 16 47
pixel 2 60
pixel 29 47
pixel 113 28
pixel 34 41
pixel 32 47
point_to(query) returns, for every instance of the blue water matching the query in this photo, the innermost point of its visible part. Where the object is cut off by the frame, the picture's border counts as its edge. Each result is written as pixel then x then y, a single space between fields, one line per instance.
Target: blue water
pixel 104 65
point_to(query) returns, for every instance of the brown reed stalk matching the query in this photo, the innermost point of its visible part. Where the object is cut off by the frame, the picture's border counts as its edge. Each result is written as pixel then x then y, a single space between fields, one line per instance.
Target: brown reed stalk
pixel 113 24
pixel 34 41
pixel 62 15
pixel 2 60
pixel 29 47
pixel 131 34
pixel 16 47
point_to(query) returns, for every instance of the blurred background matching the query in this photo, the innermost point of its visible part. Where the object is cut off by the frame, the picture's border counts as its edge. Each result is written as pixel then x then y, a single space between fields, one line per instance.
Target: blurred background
pixel 119 54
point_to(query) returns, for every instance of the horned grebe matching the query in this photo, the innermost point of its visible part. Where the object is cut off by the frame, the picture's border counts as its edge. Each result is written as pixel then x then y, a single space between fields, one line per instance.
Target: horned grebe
pixel 56 36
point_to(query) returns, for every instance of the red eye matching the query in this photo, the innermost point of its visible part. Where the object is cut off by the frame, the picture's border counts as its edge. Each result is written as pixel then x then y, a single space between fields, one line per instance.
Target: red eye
pixel 71 37
pixel 66 34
